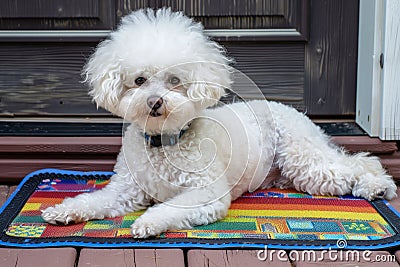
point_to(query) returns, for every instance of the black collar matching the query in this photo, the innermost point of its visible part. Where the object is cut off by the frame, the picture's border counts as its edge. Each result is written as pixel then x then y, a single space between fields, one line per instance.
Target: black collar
pixel 164 139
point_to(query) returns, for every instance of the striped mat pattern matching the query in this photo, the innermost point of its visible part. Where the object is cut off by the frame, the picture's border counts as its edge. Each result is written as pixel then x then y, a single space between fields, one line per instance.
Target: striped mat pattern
pixel 264 214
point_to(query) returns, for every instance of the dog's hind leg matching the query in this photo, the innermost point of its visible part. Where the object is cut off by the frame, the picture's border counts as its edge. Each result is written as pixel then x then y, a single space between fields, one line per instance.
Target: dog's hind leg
pixel 310 163
pixel 312 169
pixel 117 198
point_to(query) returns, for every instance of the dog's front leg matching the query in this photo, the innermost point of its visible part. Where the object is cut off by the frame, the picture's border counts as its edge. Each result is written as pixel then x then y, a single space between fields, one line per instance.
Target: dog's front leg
pixel 192 207
pixel 120 196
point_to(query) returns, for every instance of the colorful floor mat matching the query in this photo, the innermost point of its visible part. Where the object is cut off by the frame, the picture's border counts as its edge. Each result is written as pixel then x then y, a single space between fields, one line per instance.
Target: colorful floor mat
pixel 276 218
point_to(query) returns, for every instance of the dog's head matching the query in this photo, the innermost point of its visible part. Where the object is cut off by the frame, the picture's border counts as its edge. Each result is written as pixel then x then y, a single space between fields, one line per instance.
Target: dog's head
pixel 158 70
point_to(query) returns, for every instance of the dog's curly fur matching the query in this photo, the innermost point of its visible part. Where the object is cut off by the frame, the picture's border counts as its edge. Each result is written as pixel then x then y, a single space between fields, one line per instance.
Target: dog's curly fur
pixel 224 151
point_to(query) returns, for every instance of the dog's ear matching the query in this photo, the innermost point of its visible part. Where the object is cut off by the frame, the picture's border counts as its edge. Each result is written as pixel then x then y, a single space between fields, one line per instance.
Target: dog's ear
pixel 209 82
pixel 103 74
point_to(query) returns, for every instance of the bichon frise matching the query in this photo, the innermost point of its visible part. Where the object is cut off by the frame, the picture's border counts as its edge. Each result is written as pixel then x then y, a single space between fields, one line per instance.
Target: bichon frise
pixel 184 162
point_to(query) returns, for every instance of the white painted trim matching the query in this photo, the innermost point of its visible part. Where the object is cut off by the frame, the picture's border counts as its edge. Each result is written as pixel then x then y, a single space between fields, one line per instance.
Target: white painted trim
pixel 390 121
pixel 102 34
pixel 378 90
pixel 252 32
pixel 369 72
pixel 50 33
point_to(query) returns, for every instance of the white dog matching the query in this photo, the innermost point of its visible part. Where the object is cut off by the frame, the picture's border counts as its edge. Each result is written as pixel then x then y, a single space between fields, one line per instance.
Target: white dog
pixel 184 162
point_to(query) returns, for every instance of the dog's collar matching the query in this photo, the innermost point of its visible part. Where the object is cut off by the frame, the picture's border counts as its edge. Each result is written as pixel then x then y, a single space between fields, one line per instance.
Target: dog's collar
pixel 164 139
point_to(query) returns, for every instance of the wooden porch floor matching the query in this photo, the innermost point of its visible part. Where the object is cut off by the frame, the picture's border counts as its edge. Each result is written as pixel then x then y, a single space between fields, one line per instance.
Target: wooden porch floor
pixel 70 257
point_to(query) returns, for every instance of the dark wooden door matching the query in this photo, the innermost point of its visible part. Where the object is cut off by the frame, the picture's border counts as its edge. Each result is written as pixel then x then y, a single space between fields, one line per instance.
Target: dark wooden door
pixel 300 52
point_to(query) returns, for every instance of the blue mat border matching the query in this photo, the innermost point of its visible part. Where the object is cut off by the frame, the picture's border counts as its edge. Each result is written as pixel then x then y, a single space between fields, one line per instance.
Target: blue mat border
pixel 386 210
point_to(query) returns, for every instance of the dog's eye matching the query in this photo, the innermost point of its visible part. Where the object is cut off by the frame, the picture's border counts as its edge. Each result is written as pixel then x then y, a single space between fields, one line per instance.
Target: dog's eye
pixel 174 80
pixel 140 80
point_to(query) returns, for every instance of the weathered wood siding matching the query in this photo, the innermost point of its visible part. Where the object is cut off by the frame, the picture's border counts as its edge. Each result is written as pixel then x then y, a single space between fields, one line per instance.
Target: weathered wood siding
pixel 250 14
pixel 315 71
pixel 41 81
pixel 57 14
pixel 331 58
pixel 277 70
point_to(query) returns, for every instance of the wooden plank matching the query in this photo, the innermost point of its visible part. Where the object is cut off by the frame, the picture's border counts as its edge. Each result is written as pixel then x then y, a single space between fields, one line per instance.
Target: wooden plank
pixel 276 69
pixel 131 257
pixel 396 202
pixel 106 257
pixel 234 258
pixel 44 79
pixel 100 153
pixel 49 82
pixel 13 170
pixel 392 164
pixel 112 145
pixel 11 190
pixel 3 194
pixel 331 58
pixel 57 15
pixel 369 259
pixel 365 143
pixel 46 257
pixel 251 14
pixel 49 144
pixel 49 9
pixel 159 257
pixel 397 254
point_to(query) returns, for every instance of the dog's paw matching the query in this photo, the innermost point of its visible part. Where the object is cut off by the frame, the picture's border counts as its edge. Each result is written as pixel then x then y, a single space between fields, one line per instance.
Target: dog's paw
pixel 370 192
pixel 371 187
pixel 143 229
pixel 60 215
pixel 374 193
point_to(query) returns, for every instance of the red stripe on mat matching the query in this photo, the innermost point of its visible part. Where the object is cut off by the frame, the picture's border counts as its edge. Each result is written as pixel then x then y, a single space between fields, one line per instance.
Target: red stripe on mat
pixel 300 207
pixel 54 194
pixel 302 201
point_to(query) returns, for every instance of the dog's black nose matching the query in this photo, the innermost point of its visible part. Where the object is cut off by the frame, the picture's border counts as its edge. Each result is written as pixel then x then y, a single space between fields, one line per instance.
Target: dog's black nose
pixel 154 102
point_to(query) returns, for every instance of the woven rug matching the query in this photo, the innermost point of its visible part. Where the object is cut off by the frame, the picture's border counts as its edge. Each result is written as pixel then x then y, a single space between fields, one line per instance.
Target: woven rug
pixel 276 218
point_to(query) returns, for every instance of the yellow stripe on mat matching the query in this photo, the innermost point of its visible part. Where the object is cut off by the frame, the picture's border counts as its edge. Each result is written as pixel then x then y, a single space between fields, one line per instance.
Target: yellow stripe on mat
pixel 308 214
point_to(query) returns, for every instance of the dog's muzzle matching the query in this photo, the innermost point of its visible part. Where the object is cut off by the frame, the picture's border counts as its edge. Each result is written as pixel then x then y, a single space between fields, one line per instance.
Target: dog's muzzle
pixel 155 102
